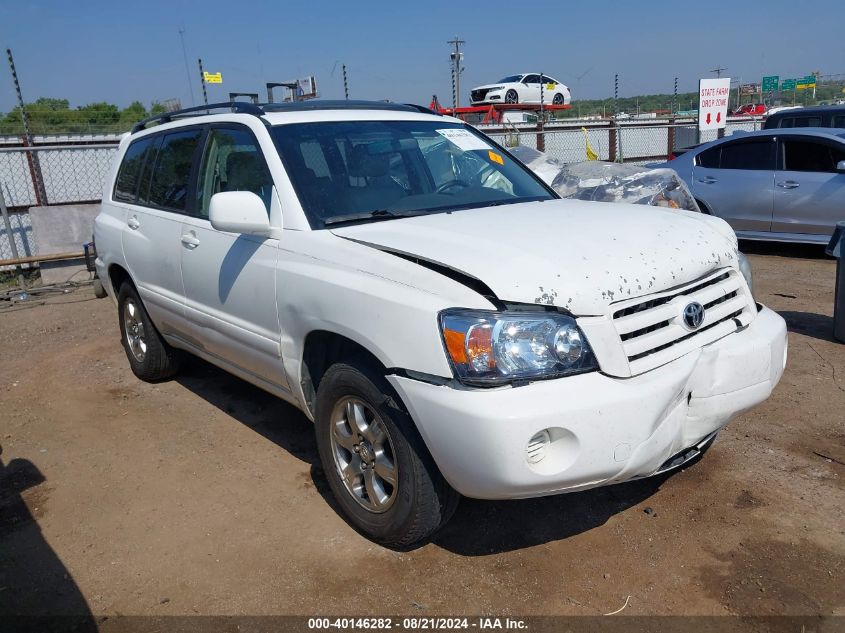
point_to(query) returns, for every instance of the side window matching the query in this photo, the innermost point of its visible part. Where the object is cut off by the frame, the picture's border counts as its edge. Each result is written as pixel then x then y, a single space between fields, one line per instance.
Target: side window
pixel 808 121
pixel 710 158
pixel 172 170
pixel 748 155
pixel 838 121
pixel 804 155
pixel 531 79
pixel 232 161
pixel 126 185
pixel 787 122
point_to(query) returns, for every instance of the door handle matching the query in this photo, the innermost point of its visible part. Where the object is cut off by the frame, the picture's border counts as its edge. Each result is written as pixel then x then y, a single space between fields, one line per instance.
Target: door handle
pixel 789 184
pixel 133 223
pixel 190 241
pixel 709 180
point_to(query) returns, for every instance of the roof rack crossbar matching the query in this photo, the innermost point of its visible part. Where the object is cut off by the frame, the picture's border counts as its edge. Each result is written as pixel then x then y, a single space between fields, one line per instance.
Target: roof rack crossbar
pixel 166 117
pixel 244 107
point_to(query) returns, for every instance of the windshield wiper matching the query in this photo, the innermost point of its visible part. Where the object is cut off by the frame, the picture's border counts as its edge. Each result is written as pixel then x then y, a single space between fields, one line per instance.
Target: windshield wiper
pixel 378 214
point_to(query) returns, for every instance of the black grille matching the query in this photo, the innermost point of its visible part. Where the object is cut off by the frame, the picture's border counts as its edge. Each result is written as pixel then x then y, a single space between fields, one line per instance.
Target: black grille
pixel 478 95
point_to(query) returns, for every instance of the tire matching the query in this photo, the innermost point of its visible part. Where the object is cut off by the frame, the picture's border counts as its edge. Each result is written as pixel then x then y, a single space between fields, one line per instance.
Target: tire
pixel 99 289
pixel 703 207
pixel 363 430
pixel 558 99
pixel 150 357
pixel 511 96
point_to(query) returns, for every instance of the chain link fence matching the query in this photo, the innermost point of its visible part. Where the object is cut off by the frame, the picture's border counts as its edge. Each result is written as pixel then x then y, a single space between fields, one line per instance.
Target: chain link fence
pixel 54 173
pixel 638 142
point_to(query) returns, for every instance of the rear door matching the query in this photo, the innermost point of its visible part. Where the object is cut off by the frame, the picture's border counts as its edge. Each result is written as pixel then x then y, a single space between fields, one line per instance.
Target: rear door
pixel 809 193
pixel 230 279
pixel 734 180
pixel 151 238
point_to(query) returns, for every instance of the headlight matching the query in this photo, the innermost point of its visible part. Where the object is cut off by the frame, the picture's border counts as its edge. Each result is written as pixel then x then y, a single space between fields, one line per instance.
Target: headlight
pixel 745 269
pixel 495 88
pixel 498 347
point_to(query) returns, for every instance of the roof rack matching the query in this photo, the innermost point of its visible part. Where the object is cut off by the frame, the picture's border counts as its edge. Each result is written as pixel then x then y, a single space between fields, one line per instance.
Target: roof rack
pixel 243 107
pixel 167 117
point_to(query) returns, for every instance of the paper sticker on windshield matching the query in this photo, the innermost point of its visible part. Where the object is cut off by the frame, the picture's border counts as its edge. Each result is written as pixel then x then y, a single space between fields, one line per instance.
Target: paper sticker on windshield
pixel 496 158
pixel 464 139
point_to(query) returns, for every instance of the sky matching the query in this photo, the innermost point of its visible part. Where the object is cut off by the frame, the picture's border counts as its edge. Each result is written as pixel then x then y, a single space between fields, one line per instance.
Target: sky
pixel 120 52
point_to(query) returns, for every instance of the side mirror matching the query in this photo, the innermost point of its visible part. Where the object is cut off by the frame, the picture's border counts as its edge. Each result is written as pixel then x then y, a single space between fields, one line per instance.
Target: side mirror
pixel 238 212
pixel 840 167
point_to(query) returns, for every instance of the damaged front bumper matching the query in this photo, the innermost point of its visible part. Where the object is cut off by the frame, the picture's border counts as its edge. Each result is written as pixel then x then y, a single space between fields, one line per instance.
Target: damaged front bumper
pixel 591 430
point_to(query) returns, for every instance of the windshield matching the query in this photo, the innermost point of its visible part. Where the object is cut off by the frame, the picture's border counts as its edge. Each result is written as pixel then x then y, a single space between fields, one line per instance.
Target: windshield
pixel 347 171
pixel 510 79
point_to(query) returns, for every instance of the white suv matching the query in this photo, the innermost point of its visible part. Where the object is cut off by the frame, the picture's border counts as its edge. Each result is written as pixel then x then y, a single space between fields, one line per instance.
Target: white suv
pixel 448 323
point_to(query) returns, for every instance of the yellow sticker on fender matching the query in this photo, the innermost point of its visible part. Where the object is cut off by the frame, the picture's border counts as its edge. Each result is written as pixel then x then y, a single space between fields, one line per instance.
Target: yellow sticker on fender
pixel 495 157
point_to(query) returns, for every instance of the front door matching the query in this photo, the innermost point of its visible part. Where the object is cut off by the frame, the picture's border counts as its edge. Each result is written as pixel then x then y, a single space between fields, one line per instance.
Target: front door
pixel 809 192
pixel 734 180
pixel 230 279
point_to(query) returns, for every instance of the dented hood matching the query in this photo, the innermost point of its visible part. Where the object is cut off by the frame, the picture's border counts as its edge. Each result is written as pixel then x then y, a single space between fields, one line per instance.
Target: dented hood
pixel 580 256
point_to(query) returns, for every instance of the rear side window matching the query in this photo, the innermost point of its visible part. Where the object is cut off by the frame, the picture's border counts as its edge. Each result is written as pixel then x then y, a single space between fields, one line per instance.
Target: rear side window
pixel 126 185
pixel 838 121
pixel 172 171
pixel 748 155
pixel 805 155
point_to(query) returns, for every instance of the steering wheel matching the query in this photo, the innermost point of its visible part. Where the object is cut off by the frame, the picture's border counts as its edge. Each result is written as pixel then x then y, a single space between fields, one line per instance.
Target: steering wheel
pixel 452 183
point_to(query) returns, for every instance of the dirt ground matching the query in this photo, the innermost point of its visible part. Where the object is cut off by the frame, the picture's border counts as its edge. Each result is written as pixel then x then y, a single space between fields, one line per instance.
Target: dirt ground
pixel 203 495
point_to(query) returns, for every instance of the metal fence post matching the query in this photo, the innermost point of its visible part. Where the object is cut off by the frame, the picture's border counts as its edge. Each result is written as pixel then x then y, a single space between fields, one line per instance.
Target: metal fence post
pixel 611 142
pixel 670 139
pixel 5 211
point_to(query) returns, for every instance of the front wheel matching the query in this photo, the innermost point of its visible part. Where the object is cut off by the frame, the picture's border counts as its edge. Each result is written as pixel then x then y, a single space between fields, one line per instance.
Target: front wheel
pixel 376 463
pixel 511 96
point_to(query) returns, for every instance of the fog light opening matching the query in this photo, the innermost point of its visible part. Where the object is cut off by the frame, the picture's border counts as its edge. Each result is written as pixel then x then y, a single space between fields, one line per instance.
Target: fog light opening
pixel 537 445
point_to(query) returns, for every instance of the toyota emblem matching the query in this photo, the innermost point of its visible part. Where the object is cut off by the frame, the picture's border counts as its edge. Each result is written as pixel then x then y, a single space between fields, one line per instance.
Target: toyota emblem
pixel 693 315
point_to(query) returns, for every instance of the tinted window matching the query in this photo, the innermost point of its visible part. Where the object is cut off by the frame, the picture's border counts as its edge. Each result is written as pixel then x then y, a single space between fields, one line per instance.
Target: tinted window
pixel 787 122
pixel 172 170
pixel 804 155
pixel 838 121
pixel 748 155
pixel 531 79
pixel 126 185
pixel 232 162
pixel 710 158
pixel 807 121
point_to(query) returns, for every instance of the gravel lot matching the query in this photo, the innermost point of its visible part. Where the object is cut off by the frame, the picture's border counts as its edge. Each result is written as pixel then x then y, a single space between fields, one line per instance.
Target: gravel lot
pixel 203 495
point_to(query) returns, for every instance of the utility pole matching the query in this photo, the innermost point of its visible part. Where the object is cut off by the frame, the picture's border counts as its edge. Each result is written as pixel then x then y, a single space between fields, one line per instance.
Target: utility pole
pixel 202 81
pixel 32 157
pixel 541 122
pixel 187 67
pixel 457 59
pixel 718 70
pixel 345 84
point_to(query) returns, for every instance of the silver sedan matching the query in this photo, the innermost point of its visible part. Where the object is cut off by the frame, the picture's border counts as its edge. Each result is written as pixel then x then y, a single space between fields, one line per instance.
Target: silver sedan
pixel 785 185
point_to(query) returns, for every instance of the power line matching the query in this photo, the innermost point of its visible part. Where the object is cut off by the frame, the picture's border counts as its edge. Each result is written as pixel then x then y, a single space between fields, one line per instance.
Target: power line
pixel 187 67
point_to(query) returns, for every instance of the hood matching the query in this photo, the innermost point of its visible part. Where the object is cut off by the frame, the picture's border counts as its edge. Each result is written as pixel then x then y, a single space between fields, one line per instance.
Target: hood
pixel 576 255
pixel 488 86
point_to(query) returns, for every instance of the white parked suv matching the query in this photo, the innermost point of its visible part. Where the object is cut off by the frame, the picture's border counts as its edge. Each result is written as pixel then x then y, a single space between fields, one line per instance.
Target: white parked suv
pixel 450 325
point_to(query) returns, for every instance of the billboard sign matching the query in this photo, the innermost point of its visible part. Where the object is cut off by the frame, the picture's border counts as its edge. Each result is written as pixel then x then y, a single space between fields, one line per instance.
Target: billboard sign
pixel 770 83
